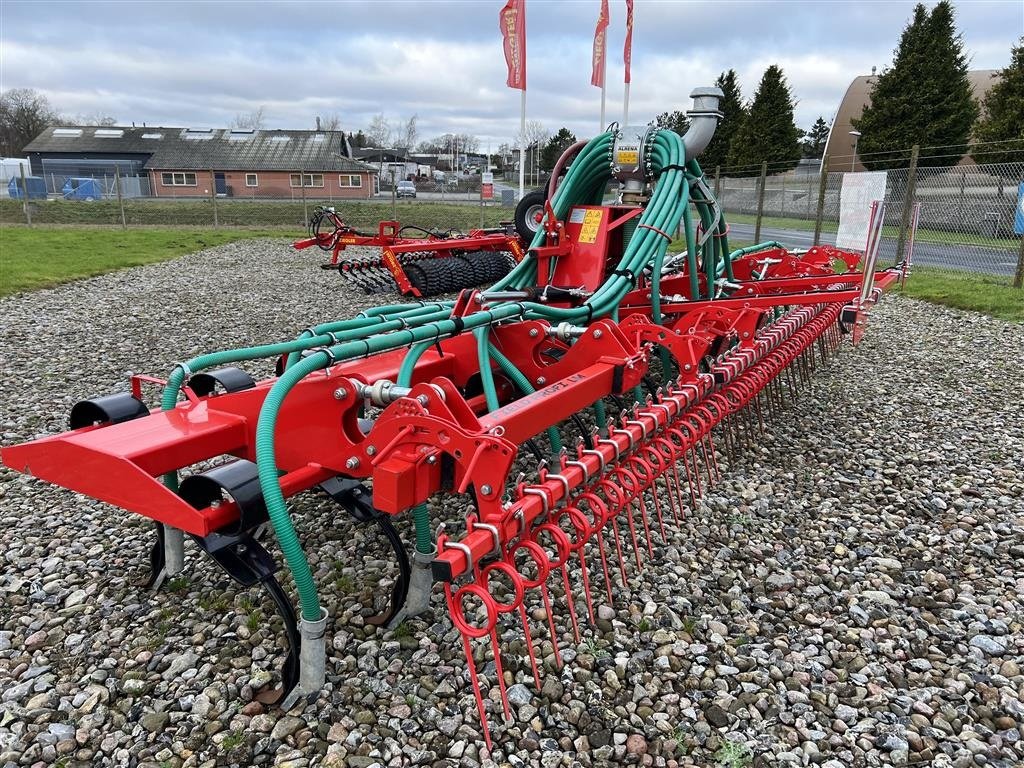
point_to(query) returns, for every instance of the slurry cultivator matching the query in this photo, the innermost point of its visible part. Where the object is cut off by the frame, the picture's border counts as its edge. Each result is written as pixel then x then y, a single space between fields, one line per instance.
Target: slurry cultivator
pixel 435 262
pixel 615 364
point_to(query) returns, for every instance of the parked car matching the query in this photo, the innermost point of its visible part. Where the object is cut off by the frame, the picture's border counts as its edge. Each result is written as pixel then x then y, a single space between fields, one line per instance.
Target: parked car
pixel 405 189
pixel 82 189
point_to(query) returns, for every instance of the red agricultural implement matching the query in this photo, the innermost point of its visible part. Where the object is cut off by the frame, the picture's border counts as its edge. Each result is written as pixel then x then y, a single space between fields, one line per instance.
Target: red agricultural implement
pixel 576 407
pixel 432 263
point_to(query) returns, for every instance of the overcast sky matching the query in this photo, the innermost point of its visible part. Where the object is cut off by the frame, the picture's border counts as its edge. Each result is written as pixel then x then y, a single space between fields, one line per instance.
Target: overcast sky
pixel 201 63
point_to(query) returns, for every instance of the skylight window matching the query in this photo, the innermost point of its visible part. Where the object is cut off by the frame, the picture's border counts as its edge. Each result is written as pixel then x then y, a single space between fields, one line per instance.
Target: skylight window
pixel 280 138
pixel 152 135
pixel 108 133
pixel 67 132
pixel 198 133
pixel 241 134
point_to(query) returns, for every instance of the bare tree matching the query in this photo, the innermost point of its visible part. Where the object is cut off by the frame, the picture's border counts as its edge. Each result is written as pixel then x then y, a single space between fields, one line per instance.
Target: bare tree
pixel 95 118
pixel 379 132
pixel 331 122
pixel 408 138
pixel 468 142
pixel 254 120
pixel 24 114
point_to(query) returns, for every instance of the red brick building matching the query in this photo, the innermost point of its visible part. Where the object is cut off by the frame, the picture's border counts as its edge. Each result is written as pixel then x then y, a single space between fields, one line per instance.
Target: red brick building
pixel 197 162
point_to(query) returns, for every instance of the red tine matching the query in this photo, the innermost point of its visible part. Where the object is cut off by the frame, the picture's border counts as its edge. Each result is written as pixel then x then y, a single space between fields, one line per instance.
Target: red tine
pixel 540 558
pixel 456 608
pixel 582 528
pixel 564 549
pixel 519 589
pixel 599 511
pixel 630 485
pixel 616 502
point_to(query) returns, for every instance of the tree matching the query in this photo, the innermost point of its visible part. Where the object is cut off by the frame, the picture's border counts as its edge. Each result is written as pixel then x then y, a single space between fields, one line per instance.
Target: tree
pixel 733 115
pixel 924 98
pixel 249 121
pixel 24 114
pixel 1003 118
pixel 379 132
pixel 468 142
pixel 673 121
pixel 359 139
pixel 769 133
pixel 331 122
pixel 94 118
pixel 407 140
pixel 814 140
pixel 558 143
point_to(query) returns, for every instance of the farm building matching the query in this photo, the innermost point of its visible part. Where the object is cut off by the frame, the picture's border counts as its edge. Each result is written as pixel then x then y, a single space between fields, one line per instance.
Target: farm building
pixel 195 162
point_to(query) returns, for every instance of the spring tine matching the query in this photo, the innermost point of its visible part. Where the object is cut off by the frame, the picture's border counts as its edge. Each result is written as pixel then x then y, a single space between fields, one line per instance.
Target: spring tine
pixel 529 646
pixel 454 611
pixel 570 602
pixel 551 624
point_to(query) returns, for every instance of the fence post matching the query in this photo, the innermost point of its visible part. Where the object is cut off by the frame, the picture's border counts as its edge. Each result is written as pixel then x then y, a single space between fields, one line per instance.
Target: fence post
pixel 213 199
pixel 24 195
pixel 302 186
pixel 718 181
pixel 1018 278
pixel 120 199
pixel 820 213
pixel 908 202
pixel 760 200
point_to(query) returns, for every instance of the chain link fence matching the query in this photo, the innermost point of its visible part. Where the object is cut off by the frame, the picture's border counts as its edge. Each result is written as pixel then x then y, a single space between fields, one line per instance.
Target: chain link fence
pixel 967 213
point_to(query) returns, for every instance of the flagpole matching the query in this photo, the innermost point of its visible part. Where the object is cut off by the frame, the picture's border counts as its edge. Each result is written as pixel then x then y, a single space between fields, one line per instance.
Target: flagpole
pixel 522 145
pixel 604 81
pixel 625 107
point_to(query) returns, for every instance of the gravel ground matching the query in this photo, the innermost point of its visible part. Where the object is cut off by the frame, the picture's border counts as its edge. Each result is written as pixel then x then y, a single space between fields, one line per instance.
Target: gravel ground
pixel 848 595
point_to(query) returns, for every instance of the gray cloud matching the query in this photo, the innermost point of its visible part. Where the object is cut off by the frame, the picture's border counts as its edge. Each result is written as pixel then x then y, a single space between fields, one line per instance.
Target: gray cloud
pixel 195 63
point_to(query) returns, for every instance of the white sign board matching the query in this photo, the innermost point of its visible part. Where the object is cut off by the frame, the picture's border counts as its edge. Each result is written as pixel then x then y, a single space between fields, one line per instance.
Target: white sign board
pixel 486 177
pixel 859 190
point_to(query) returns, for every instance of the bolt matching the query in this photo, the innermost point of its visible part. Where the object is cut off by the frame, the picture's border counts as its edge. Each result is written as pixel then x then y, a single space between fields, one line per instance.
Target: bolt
pixel 598 333
pixel 534 333
pixel 340 394
pixel 352 463
pixel 370 450
pixel 485 490
pixel 541 381
pixel 423 400
pixel 431 459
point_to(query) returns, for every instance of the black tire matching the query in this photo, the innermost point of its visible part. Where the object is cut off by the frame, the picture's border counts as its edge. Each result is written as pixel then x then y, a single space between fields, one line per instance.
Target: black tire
pixel 416 275
pixel 527 221
pixel 467 274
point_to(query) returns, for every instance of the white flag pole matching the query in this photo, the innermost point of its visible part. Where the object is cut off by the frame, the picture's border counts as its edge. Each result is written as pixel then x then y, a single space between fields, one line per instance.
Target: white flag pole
pixel 604 80
pixel 522 145
pixel 625 107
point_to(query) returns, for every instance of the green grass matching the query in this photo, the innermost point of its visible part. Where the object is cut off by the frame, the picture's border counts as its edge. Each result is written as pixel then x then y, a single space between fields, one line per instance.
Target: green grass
pixel 989 294
pixel 924 235
pixel 39 257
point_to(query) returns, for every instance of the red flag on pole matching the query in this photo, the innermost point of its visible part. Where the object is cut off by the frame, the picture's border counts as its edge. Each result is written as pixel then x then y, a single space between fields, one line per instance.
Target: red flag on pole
pixel 627 49
pixel 512 21
pixel 597 74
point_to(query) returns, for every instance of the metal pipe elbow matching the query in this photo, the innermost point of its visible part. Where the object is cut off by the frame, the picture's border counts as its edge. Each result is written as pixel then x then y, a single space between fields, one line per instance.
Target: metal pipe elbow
pixel 704 119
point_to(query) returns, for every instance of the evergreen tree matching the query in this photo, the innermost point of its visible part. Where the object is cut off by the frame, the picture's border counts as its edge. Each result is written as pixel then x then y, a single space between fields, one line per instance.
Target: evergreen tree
pixel 768 132
pixel 673 121
pixel 558 143
pixel 924 98
pixel 814 140
pixel 1003 119
pixel 731 106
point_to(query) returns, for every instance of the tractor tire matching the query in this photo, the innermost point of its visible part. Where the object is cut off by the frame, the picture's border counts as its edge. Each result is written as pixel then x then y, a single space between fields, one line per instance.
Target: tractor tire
pixel 529 213
pixel 467 272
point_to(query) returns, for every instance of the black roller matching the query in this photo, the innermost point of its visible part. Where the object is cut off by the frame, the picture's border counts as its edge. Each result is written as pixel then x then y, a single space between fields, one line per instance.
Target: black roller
pixel 239 480
pixel 109 409
pixel 417 277
pixel 231 379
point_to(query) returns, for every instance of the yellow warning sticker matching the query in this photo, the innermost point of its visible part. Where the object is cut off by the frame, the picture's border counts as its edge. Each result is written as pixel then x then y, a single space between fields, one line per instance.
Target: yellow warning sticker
pixel 591 223
pixel 627 157
pixel 347 240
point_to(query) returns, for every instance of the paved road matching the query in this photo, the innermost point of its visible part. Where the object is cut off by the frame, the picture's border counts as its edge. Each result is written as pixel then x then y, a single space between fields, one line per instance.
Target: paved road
pixel 974 258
